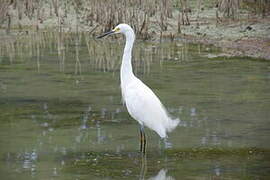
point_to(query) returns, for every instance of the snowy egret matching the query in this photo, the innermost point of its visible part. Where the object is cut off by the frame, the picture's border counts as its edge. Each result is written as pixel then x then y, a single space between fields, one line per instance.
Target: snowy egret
pixel 142 104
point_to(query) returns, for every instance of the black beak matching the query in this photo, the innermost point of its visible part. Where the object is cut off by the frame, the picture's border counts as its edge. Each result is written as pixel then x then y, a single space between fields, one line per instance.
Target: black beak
pixel 105 34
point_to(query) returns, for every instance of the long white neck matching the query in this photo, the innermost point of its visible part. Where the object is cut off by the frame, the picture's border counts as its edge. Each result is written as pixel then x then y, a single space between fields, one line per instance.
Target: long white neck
pixel 126 73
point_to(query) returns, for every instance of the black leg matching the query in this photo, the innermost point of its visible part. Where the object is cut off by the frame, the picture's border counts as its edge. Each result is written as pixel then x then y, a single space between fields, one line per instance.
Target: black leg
pixel 144 142
pixel 141 146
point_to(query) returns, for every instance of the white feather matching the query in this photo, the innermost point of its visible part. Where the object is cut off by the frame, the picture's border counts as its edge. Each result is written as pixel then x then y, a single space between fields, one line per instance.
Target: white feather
pixel 142 104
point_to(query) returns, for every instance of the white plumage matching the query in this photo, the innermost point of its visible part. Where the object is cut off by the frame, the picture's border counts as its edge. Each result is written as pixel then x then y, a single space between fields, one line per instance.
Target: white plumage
pixel 142 104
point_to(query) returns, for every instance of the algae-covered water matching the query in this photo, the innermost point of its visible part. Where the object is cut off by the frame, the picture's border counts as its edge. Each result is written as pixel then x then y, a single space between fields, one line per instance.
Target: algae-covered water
pixel 61 115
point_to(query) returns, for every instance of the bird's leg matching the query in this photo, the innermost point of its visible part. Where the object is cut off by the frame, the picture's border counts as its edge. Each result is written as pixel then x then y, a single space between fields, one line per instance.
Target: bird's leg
pixel 141 133
pixel 144 142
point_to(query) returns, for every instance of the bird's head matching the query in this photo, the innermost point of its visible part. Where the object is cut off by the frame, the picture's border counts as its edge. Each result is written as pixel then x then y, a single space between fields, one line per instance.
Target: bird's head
pixel 120 28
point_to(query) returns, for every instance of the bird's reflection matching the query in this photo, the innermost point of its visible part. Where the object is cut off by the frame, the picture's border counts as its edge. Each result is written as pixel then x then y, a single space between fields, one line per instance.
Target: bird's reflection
pixel 161 175
pixel 143 167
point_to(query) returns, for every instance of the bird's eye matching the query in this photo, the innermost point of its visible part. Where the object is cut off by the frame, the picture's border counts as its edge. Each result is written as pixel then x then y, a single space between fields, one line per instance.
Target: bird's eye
pixel 116 29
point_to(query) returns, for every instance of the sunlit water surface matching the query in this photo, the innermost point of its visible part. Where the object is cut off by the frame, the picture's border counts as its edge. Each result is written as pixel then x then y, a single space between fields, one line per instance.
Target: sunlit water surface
pixel 62 117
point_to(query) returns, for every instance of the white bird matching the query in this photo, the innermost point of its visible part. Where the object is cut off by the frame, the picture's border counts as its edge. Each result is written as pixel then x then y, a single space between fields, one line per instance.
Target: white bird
pixel 142 104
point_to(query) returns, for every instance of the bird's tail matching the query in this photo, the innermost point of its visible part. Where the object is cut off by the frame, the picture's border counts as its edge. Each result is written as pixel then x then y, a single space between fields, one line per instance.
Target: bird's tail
pixel 172 124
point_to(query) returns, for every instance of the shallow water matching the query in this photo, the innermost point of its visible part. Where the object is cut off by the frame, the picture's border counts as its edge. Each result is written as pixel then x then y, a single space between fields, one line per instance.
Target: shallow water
pixel 62 117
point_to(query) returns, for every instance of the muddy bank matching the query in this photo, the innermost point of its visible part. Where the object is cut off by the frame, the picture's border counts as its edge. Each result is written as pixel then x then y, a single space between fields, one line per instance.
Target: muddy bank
pixel 248 47
pixel 247 35
pixel 244 36
pixel 250 39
